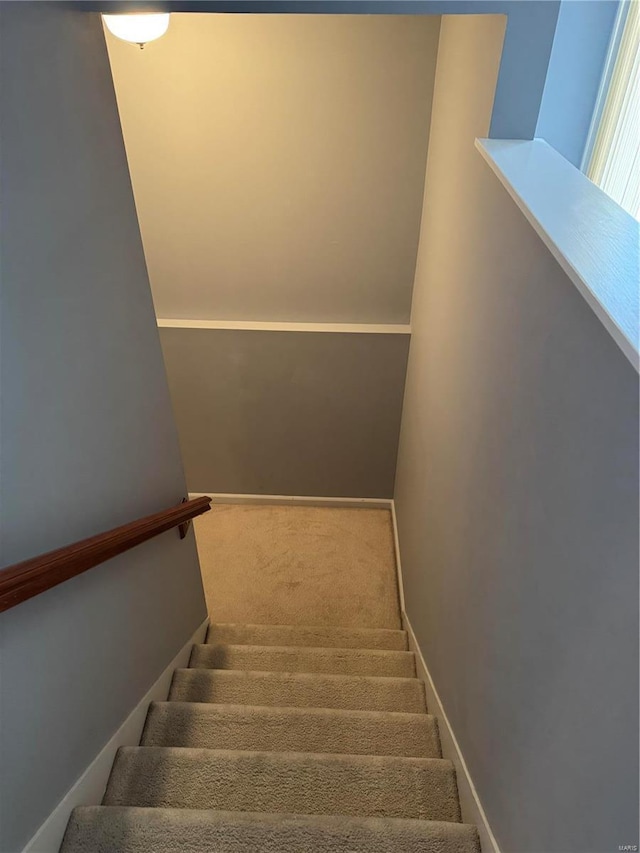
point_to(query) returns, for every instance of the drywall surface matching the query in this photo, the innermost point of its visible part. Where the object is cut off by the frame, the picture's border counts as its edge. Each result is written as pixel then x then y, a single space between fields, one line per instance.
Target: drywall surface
pixel 287 413
pixel 87 435
pixel 278 168
pixel 577 62
pixel 278 163
pixel 530 32
pixel 517 497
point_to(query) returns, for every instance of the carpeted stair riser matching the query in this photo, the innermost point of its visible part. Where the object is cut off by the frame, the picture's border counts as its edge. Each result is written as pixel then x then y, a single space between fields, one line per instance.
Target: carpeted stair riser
pixel 304 783
pixel 359 693
pixel 243 727
pixel 96 829
pixel 315 636
pixel 310 660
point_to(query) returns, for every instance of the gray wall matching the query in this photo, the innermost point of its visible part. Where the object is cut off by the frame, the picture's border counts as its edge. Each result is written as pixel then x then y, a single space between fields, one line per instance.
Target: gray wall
pixel 87 436
pixel 287 413
pixel 517 498
pixel 278 163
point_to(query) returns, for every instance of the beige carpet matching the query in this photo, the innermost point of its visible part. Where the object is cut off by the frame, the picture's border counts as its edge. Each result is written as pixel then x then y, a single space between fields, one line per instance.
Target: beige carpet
pixel 290 565
pixel 280 737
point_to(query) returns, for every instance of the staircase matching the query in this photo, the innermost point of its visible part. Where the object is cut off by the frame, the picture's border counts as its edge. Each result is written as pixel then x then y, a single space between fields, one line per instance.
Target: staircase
pixel 278 738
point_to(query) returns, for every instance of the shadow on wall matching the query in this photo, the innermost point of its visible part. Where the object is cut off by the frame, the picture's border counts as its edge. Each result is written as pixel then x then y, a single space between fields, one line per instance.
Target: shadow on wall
pixel 287 413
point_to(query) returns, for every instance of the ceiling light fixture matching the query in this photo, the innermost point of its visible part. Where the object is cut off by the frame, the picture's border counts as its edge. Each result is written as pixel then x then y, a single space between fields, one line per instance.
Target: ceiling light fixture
pixel 137 29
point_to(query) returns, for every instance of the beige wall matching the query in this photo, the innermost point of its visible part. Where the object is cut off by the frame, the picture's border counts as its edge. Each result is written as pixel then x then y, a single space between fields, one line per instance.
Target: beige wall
pixel 517 496
pixel 278 163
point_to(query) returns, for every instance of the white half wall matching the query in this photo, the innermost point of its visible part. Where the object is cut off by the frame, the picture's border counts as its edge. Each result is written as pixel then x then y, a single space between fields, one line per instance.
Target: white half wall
pixel 517 496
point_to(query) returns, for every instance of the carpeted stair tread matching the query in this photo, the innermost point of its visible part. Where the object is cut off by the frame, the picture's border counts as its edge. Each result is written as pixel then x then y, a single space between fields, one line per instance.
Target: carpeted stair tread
pixel 324 730
pixel 379 662
pixel 348 692
pixel 303 783
pixel 307 635
pixel 101 829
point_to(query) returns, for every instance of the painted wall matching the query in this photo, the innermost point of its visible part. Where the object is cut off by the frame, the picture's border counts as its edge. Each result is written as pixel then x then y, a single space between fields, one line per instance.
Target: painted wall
pixel 577 63
pixel 530 31
pixel 287 413
pixel 278 163
pixel 87 435
pixel 278 168
pixel 517 497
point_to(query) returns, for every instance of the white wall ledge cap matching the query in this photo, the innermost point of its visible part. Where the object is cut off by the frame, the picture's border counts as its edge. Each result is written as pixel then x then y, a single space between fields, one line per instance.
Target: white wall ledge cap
pixel 265 326
pixel 594 240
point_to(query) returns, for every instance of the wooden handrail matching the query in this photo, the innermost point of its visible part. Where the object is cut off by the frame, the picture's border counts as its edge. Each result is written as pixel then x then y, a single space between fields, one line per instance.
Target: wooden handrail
pixel 31 577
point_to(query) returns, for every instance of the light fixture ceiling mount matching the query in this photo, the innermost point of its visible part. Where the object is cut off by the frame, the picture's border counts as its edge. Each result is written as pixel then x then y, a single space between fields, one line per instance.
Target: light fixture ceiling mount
pixel 137 28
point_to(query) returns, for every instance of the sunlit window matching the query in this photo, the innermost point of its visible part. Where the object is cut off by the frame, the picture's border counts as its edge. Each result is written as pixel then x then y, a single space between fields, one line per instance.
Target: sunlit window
pixel 614 159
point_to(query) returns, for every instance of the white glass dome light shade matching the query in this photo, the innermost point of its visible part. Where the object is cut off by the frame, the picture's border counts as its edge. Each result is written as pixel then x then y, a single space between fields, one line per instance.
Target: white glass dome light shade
pixel 137 29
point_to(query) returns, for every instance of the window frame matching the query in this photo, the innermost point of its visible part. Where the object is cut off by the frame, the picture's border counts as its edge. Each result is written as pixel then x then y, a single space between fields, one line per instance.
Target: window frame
pixel 592 161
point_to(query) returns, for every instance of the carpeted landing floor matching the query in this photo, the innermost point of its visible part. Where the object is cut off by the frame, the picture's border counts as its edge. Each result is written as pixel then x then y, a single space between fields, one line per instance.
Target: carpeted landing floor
pixel 291 565
pixel 299 725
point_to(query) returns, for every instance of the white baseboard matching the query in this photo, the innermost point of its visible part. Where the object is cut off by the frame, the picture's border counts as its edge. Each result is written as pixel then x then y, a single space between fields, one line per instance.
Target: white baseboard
pixel 300 500
pixel 472 811
pixel 89 788
pixel 396 548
